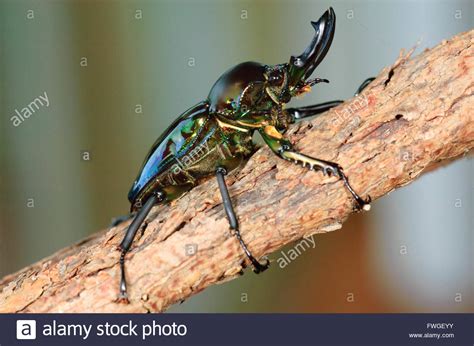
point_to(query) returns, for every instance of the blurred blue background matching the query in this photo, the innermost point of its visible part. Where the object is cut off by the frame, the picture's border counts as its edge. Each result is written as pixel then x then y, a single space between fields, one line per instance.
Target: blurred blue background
pixel 117 73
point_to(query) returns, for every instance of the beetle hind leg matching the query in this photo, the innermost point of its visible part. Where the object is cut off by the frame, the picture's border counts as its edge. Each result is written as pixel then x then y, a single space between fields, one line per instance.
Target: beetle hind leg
pixel 233 223
pixel 364 85
pixel 137 223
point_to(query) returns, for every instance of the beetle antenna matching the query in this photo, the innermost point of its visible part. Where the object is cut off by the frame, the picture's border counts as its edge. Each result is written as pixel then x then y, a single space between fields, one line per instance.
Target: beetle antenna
pixel 314 81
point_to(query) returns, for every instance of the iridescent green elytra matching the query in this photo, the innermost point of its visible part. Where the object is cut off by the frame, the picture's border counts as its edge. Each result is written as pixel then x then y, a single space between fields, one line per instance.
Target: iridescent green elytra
pixel 215 136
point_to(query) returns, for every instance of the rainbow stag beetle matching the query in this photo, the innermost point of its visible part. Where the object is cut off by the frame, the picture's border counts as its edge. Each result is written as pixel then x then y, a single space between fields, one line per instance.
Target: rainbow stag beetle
pixel 215 136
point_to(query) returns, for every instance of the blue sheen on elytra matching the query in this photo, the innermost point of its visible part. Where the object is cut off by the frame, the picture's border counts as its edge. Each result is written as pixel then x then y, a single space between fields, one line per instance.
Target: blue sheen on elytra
pixel 167 147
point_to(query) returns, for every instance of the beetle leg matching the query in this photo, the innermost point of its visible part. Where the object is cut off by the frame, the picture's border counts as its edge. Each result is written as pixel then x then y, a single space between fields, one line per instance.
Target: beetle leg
pixel 328 168
pixel 130 235
pixel 364 85
pixel 309 111
pixel 282 147
pixel 233 222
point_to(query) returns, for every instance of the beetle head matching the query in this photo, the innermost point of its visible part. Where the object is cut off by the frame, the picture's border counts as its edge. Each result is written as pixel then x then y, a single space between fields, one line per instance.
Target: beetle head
pixel 276 85
pixel 301 67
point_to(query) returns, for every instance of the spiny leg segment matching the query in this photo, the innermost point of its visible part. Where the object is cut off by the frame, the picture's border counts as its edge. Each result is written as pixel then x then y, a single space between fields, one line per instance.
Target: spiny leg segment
pixel 328 168
pixel 283 148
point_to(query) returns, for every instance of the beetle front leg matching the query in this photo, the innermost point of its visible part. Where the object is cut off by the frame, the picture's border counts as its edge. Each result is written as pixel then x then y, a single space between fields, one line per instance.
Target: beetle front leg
pixel 233 223
pixel 282 147
pixel 328 168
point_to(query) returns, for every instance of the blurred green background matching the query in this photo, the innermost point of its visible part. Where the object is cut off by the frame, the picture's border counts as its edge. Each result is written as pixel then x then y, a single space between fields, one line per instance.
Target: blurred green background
pixel 118 72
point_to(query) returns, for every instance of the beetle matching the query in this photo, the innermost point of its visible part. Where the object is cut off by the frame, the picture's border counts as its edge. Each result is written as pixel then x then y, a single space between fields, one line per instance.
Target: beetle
pixel 215 136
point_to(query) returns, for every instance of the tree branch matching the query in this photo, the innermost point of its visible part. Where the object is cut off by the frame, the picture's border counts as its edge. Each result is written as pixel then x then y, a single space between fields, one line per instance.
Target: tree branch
pixel 417 113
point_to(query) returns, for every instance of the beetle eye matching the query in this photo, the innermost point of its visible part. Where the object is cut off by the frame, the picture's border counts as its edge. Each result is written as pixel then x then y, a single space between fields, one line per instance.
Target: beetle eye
pixel 298 62
pixel 275 78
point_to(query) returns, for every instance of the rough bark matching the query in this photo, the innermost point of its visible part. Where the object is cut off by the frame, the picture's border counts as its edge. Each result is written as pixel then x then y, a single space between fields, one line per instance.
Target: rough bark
pixel 417 113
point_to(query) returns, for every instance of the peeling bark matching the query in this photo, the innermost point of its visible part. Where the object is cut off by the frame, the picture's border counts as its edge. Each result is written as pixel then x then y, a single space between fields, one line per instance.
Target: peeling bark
pixel 417 113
